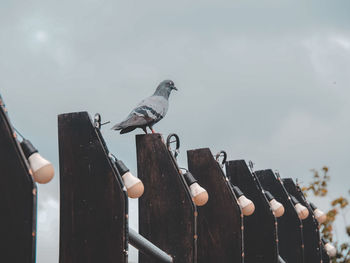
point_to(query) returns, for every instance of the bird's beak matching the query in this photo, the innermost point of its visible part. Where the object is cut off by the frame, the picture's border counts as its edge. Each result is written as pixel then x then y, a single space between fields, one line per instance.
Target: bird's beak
pixel 174 88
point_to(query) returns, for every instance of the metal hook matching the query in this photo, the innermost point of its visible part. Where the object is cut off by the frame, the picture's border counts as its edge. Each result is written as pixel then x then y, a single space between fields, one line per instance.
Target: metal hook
pixel 2 103
pixel 251 165
pixel 218 155
pixel 177 140
pixel 97 121
pixel 278 176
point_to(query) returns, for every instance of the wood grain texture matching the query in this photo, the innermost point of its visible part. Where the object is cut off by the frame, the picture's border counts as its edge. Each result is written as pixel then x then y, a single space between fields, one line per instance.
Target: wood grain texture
pixel 18 199
pixel 93 207
pixel 290 227
pixel 260 228
pixel 220 224
pixel 311 234
pixel 167 214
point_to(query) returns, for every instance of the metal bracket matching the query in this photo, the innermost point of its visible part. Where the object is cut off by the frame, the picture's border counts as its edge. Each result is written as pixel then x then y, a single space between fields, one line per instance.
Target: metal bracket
pixel 169 142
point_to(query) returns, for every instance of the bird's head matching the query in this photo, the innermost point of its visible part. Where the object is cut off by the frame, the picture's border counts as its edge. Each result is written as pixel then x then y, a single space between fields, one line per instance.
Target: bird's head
pixel 164 88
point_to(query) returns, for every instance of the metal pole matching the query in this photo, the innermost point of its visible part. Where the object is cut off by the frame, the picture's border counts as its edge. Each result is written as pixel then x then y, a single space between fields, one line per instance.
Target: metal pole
pixel 146 247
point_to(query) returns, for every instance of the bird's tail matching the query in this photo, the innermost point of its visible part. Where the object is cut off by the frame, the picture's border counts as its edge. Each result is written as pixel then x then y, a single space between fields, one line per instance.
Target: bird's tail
pixel 118 126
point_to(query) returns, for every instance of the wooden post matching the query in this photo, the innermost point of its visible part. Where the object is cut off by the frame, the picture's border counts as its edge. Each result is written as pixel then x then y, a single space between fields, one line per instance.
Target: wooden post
pixel 93 213
pixel 220 224
pixel 18 198
pixel 167 214
pixel 311 234
pixel 290 227
pixel 260 228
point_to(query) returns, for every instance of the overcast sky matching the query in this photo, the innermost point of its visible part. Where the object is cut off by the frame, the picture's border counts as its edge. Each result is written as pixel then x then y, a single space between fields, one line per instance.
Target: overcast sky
pixel 264 80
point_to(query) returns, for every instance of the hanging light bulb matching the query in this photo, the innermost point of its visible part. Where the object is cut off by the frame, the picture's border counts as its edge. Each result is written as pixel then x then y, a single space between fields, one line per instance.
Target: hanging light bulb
pixel 320 215
pixel 276 207
pixel 199 194
pixel 302 211
pixel 133 185
pixel 42 169
pixel 246 204
pixel 330 249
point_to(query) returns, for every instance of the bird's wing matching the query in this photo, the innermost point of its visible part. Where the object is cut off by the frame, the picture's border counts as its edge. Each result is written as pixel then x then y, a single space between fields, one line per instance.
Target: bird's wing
pixel 150 110
pixel 154 107
pixel 132 120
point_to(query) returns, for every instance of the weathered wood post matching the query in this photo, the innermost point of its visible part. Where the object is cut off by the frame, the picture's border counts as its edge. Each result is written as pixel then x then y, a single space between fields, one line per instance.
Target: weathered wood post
pixel 94 207
pixel 311 234
pixel 167 214
pixel 260 228
pixel 18 196
pixel 220 223
pixel 290 227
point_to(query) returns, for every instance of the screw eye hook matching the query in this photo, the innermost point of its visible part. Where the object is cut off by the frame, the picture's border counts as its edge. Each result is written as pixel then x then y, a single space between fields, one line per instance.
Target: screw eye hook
pixel 169 142
pixel 97 121
pixel 222 154
pixel 251 165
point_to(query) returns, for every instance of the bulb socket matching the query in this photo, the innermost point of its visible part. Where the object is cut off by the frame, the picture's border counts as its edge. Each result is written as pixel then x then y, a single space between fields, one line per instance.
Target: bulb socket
pixel 122 168
pixel 237 191
pixel 269 196
pixel 189 178
pixel 313 207
pixel 294 200
pixel 28 148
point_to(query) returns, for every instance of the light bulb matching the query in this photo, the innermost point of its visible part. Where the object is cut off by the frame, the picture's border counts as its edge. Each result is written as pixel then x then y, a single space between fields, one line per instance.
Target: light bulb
pixel 133 185
pixel 302 211
pixel 321 217
pixel 42 169
pixel 199 194
pixel 330 249
pixel 246 205
pixel 277 208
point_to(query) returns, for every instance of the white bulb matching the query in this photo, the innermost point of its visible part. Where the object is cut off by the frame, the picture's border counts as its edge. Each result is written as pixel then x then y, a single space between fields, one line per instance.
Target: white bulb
pixel 199 194
pixel 246 205
pixel 320 215
pixel 277 208
pixel 42 169
pixel 302 211
pixel 133 185
pixel 331 250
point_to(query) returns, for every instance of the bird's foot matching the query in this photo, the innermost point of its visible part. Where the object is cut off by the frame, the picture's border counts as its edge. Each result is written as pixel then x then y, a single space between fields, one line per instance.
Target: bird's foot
pixel 153 131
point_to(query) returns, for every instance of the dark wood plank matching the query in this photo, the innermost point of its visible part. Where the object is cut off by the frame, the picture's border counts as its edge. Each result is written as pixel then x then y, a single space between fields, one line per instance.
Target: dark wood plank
pixel 220 224
pixel 93 213
pixel 290 234
pixel 311 234
pixel 18 199
pixel 260 228
pixel 167 214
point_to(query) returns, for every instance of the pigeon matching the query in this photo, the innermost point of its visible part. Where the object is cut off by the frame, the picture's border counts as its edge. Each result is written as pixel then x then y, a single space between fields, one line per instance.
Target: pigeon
pixel 149 111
